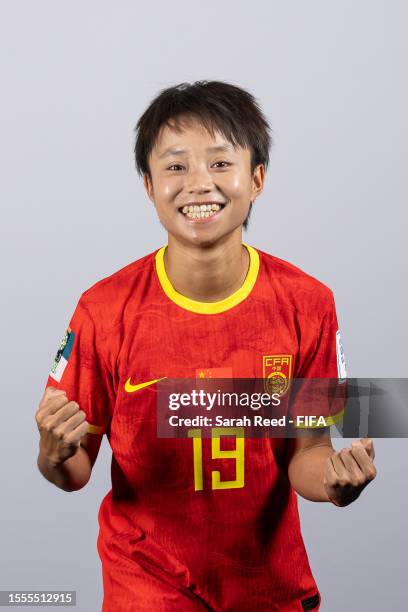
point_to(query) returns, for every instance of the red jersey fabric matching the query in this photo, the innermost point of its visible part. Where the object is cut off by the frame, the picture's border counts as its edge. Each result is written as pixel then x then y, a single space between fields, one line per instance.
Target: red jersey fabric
pixel 180 530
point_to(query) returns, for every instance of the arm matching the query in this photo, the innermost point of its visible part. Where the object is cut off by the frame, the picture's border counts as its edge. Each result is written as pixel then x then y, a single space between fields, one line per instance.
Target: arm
pixel 67 452
pixel 315 470
pixel 318 473
pixel 71 431
pixel 308 457
pixel 73 473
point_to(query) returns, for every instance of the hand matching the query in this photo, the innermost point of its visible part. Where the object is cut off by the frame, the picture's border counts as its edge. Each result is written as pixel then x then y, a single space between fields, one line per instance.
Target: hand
pixel 349 471
pixel 61 424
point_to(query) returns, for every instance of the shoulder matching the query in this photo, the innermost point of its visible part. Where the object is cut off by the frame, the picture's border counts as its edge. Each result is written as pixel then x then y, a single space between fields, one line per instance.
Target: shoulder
pixel 108 298
pixel 294 287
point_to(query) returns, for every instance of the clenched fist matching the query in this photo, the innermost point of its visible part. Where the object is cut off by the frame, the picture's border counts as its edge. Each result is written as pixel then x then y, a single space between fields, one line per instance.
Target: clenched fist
pixel 348 471
pixel 61 424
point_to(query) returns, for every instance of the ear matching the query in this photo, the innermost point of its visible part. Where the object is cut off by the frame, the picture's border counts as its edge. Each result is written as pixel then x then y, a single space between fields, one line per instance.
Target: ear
pixel 147 182
pixel 258 179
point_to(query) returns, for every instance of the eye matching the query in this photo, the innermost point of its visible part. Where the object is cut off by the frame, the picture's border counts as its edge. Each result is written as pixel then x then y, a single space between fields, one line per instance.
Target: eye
pixel 177 166
pixel 223 162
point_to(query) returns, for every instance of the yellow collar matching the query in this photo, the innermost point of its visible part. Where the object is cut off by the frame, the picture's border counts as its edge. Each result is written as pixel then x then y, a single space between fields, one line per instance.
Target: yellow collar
pixel 208 307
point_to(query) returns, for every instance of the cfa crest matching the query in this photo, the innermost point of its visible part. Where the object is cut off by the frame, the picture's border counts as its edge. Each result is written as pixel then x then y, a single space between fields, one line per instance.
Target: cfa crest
pixel 277 372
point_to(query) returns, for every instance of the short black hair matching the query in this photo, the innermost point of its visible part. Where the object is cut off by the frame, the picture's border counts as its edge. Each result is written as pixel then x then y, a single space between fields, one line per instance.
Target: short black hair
pixel 217 105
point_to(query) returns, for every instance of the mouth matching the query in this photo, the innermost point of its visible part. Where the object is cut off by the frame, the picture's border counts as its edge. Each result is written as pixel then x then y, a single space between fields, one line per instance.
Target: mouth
pixel 202 210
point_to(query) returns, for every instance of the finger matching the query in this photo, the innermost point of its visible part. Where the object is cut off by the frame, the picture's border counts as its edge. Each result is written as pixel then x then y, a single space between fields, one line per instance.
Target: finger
pixel 52 406
pixel 369 446
pixel 355 474
pixel 330 476
pixel 368 450
pixel 51 392
pixel 75 436
pixel 339 467
pixel 65 427
pixel 61 415
pixel 361 445
pixel 44 414
pixel 366 465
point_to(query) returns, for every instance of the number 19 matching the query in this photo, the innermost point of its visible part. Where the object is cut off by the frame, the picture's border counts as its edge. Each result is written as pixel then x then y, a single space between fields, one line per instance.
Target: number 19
pixel 216 453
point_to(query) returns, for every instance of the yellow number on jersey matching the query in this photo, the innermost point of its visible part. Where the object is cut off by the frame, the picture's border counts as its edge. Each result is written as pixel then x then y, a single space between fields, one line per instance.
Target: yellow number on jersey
pixel 238 453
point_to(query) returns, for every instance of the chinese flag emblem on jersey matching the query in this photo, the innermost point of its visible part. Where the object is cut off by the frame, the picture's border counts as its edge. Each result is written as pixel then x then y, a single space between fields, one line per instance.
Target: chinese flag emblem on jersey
pixel 214 373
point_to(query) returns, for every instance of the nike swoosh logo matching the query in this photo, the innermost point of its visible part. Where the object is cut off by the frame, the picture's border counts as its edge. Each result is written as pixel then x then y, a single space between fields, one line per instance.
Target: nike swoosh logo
pixel 131 388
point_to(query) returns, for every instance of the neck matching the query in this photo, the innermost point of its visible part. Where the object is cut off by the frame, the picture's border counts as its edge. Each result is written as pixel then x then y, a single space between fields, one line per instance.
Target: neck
pixel 207 274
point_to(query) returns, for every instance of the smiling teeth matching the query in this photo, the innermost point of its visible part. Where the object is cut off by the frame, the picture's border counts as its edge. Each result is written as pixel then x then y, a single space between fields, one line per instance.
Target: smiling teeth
pixel 200 211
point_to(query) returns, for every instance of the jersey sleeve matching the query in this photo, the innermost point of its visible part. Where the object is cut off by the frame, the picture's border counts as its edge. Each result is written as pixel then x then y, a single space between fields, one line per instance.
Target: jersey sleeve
pixel 79 368
pixel 320 385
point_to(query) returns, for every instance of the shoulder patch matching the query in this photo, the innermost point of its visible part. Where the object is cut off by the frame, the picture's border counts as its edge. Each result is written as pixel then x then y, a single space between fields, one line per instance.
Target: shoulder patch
pixel 341 360
pixel 62 356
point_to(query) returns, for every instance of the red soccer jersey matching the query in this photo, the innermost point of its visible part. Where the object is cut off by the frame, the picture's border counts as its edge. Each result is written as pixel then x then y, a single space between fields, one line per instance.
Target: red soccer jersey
pixel 187 526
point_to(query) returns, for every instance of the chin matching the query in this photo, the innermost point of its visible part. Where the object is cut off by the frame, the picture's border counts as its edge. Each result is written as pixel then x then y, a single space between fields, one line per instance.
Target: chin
pixel 201 241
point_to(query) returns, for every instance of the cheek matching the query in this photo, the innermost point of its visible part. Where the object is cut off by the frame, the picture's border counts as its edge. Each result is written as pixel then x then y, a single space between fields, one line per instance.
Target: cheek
pixel 165 187
pixel 236 185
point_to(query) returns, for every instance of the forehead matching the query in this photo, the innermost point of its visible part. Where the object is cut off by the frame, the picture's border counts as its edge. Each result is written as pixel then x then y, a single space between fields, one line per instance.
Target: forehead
pixel 191 133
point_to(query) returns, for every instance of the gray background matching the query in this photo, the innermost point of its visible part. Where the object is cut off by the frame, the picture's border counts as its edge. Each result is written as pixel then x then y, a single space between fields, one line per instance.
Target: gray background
pixel 331 77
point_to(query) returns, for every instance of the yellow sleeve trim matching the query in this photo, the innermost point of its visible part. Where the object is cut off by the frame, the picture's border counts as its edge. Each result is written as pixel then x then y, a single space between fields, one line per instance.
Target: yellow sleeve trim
pixel 96 429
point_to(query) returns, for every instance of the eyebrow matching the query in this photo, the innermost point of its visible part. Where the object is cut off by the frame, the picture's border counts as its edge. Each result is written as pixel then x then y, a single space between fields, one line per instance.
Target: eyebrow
pixel 227 148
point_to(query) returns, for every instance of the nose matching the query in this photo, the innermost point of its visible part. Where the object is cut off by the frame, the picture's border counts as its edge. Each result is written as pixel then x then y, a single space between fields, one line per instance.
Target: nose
pixel 199 180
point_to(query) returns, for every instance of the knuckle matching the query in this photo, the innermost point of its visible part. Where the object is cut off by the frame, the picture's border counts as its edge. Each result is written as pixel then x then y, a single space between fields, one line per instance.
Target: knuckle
pixel 59 433
pixel 52 393
pixel 48 426
pixel 70 438
pixel 372 473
